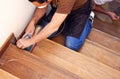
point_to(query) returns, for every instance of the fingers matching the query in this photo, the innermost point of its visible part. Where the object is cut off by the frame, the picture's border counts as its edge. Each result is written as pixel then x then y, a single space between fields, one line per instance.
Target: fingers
pixel 20 45
pixel 113 15
pixel 116 18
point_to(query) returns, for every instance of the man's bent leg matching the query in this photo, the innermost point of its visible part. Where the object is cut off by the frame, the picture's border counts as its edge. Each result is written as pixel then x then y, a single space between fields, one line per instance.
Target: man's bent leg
pixel 76 43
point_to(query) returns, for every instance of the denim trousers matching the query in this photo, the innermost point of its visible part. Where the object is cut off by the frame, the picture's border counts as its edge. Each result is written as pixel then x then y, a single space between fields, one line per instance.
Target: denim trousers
pixel 76 43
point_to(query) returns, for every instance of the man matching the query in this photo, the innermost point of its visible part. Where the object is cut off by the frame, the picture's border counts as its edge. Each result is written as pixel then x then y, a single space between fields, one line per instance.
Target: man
pixel 98 8
pixel 73 15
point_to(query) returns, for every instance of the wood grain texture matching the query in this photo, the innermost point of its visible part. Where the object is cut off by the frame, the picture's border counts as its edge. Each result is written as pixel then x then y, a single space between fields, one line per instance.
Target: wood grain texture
pixel 28 66
pixel 101 54
pixel 105 39
pixel 72 61
pixel 6 75
pixel 101 51
pixel 111 28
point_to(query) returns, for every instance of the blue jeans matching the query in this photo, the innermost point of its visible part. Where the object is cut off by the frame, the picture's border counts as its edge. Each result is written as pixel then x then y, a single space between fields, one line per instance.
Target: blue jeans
pixel 76 43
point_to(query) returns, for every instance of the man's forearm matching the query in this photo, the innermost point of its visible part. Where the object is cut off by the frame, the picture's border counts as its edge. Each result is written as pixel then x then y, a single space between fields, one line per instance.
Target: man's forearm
pixel 100 9
pixel 39 13
pixel 44 33
pixel 50 27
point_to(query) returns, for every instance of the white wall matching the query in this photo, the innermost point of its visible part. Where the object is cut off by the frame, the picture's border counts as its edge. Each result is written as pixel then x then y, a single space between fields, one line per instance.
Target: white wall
pixel 14 16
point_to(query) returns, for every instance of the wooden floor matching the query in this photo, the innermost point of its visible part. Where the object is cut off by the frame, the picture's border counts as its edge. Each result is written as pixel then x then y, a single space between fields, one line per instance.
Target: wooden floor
pixel 85 65
pixel 105 40
pixel 6 75
pixel 54 64
pixel 28 66
pixel 100 45
pixel 110 28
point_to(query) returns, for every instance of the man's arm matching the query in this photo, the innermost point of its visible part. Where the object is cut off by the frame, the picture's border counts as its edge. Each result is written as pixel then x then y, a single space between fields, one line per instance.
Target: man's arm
pixel 98 8
pixel 51 27
pixel 39 13
pixel 109 13
pixel 45 32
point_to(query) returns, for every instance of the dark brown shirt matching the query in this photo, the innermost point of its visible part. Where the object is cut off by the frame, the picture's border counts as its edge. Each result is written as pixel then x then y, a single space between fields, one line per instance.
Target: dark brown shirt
pixel 66 6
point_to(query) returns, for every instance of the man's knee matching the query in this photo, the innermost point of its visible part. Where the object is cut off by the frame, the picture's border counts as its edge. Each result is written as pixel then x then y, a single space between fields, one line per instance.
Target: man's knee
pixel 72 47
pixel 73 43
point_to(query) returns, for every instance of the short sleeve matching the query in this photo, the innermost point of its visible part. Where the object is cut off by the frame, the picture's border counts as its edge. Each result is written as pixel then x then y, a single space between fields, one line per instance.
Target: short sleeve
pixel 100 2
pixel 65 6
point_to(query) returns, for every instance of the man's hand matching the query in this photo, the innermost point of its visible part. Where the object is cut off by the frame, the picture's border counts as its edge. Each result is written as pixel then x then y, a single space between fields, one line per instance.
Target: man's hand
pixel 113 15
pixel 24 43
pixel 102 10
